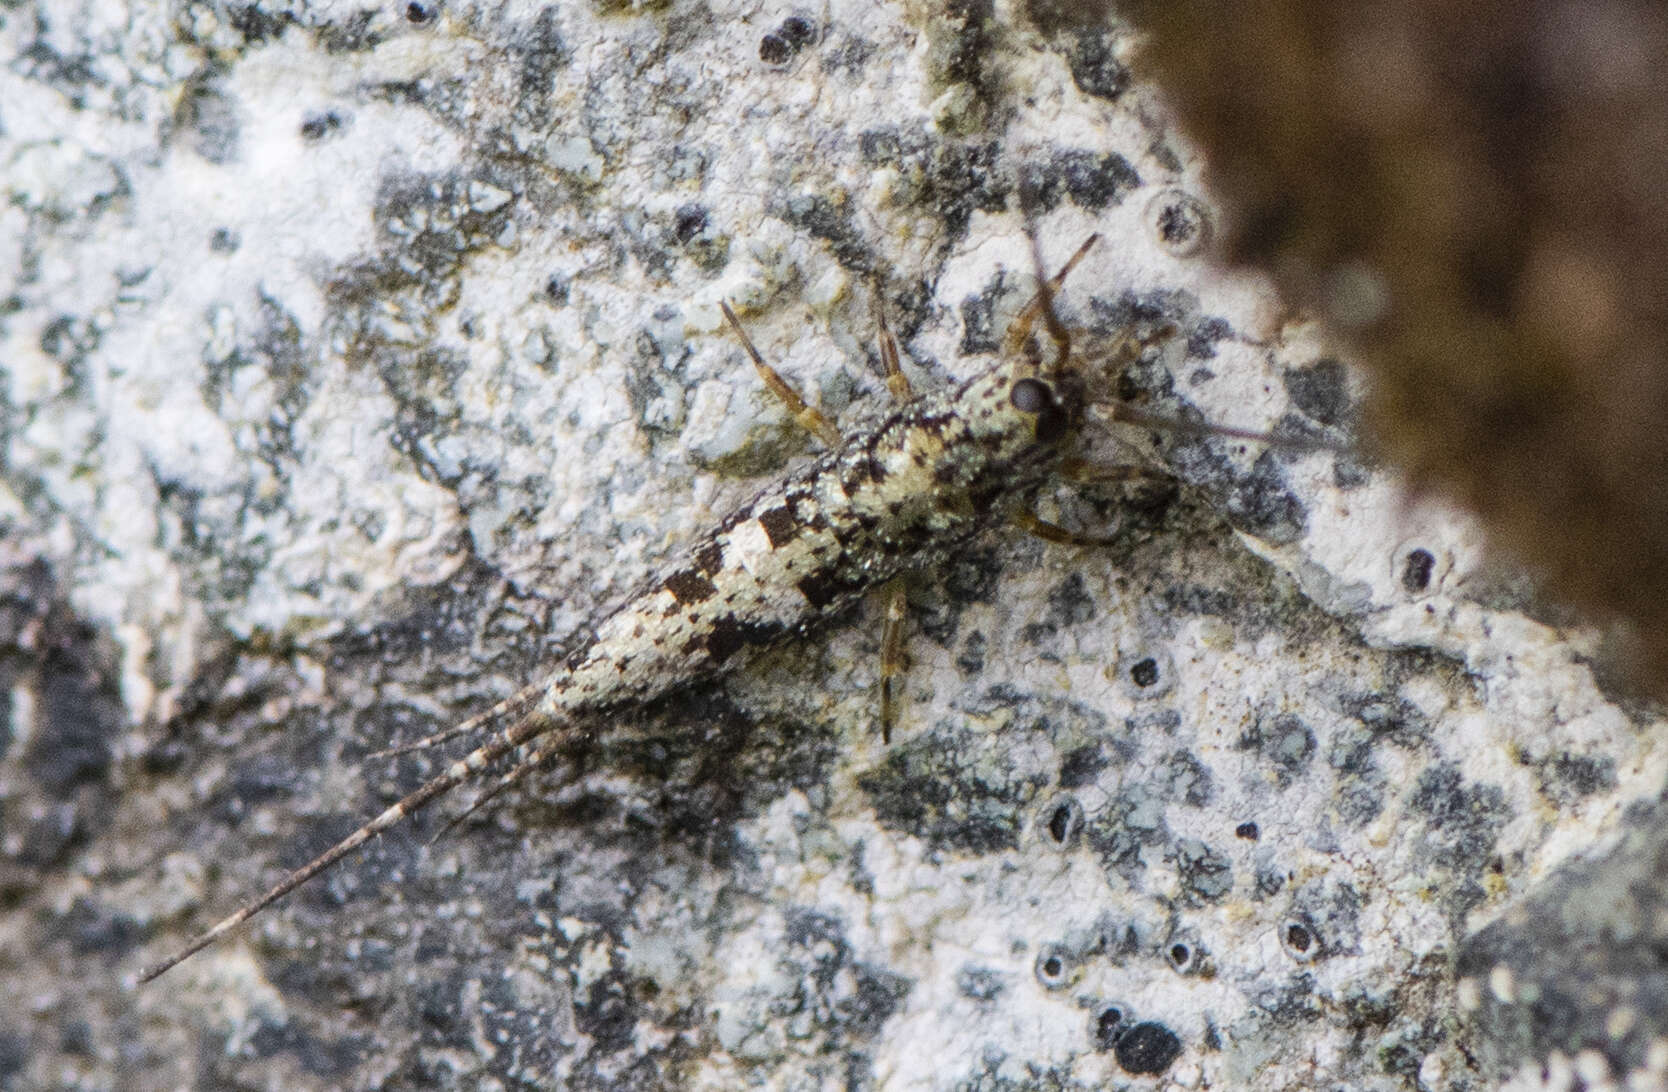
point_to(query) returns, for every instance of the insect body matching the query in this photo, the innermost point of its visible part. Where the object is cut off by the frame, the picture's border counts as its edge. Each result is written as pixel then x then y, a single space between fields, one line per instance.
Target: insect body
pixel 905 495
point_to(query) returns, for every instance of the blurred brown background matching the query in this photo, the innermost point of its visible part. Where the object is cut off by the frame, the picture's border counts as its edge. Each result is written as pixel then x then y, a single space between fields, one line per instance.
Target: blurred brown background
pixel 1473 196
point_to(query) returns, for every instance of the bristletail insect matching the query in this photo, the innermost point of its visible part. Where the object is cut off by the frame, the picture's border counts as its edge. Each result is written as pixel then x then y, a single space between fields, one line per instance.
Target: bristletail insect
pixel 905 495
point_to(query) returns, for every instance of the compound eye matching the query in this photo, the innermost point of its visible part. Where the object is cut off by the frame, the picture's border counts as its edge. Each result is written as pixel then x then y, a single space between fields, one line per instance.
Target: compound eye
pixel 1035 396
pixel 1031 396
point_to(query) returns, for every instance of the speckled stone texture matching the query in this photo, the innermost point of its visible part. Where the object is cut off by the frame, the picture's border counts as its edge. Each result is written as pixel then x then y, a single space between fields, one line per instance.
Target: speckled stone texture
pixel 355 357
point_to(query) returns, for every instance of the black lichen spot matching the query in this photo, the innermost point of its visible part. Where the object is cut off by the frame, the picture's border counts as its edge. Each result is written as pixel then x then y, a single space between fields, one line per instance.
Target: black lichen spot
pixel 1120 832
pixel 1299 940
pixel 1269 882
pixel 1062 820
pixel 543 53
pixel 1111 1023
pixel 1144 672
pixel 1248 831
pixel 1350 471
pixel 420 12
pixel 1095 182
pixel 688 586
pixel 1417 568
pixel 979 983
pixel 1069 603
pixel 946 178
pixel 819 218
pixel 224 241
pixel 1180 221
pixel 1090 181
pixel 1080 766
pixel 688 222
pixel 799 30
pixel 329 1059
pixel 438 1005
pixel 1180 955
pixel 1095 67
pixel 256 23
pixel 940 791
pixel 1148 1048
pixel 93 928
pixel 1053 967
pixel 779 525
pixel 874 1001
pixel 1463 819
pixel 319 126
pixel 1388 716
pixel 1359 801
pixel 958 37
pixel 77 718
pixel 816 948
pixel 1202 338
pixel 973 576
pixel 1290 1003
pixel 1262 504
pixel 1320 390
pixel 1569 777
pixel 784 43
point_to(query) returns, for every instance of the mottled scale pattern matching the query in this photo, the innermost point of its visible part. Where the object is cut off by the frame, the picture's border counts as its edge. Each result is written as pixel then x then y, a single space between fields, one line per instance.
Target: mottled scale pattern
pixel 905 495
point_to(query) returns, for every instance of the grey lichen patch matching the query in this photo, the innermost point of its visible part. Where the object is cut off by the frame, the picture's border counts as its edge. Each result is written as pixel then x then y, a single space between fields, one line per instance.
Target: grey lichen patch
pixel 1095 66
pixel 954 179
pixel 58 743
pixel 1285 742
pixel 1090 181
pixel 1578 971
pixel 434 222
pixel 938 791
pixel 1463 820
pixel 958 65
pixel 210 118
pixel 1320 389
pixel 1567 777
pixel 1206 875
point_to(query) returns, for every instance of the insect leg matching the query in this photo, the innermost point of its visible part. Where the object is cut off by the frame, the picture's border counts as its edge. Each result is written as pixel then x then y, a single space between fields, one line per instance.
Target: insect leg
pixel 897 605
pixel 1042 306
pixel 1086 473
pixel 1053 532
pixel 1125 414
pixel 896 381
pixel 808 416
pixel 892 656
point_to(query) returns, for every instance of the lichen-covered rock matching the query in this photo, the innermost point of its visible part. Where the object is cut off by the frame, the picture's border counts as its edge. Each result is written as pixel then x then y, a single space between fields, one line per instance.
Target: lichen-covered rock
pixel 353 360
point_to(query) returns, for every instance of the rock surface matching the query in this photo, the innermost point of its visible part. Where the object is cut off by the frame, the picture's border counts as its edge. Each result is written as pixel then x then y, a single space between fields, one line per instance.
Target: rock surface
pixel 355 357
